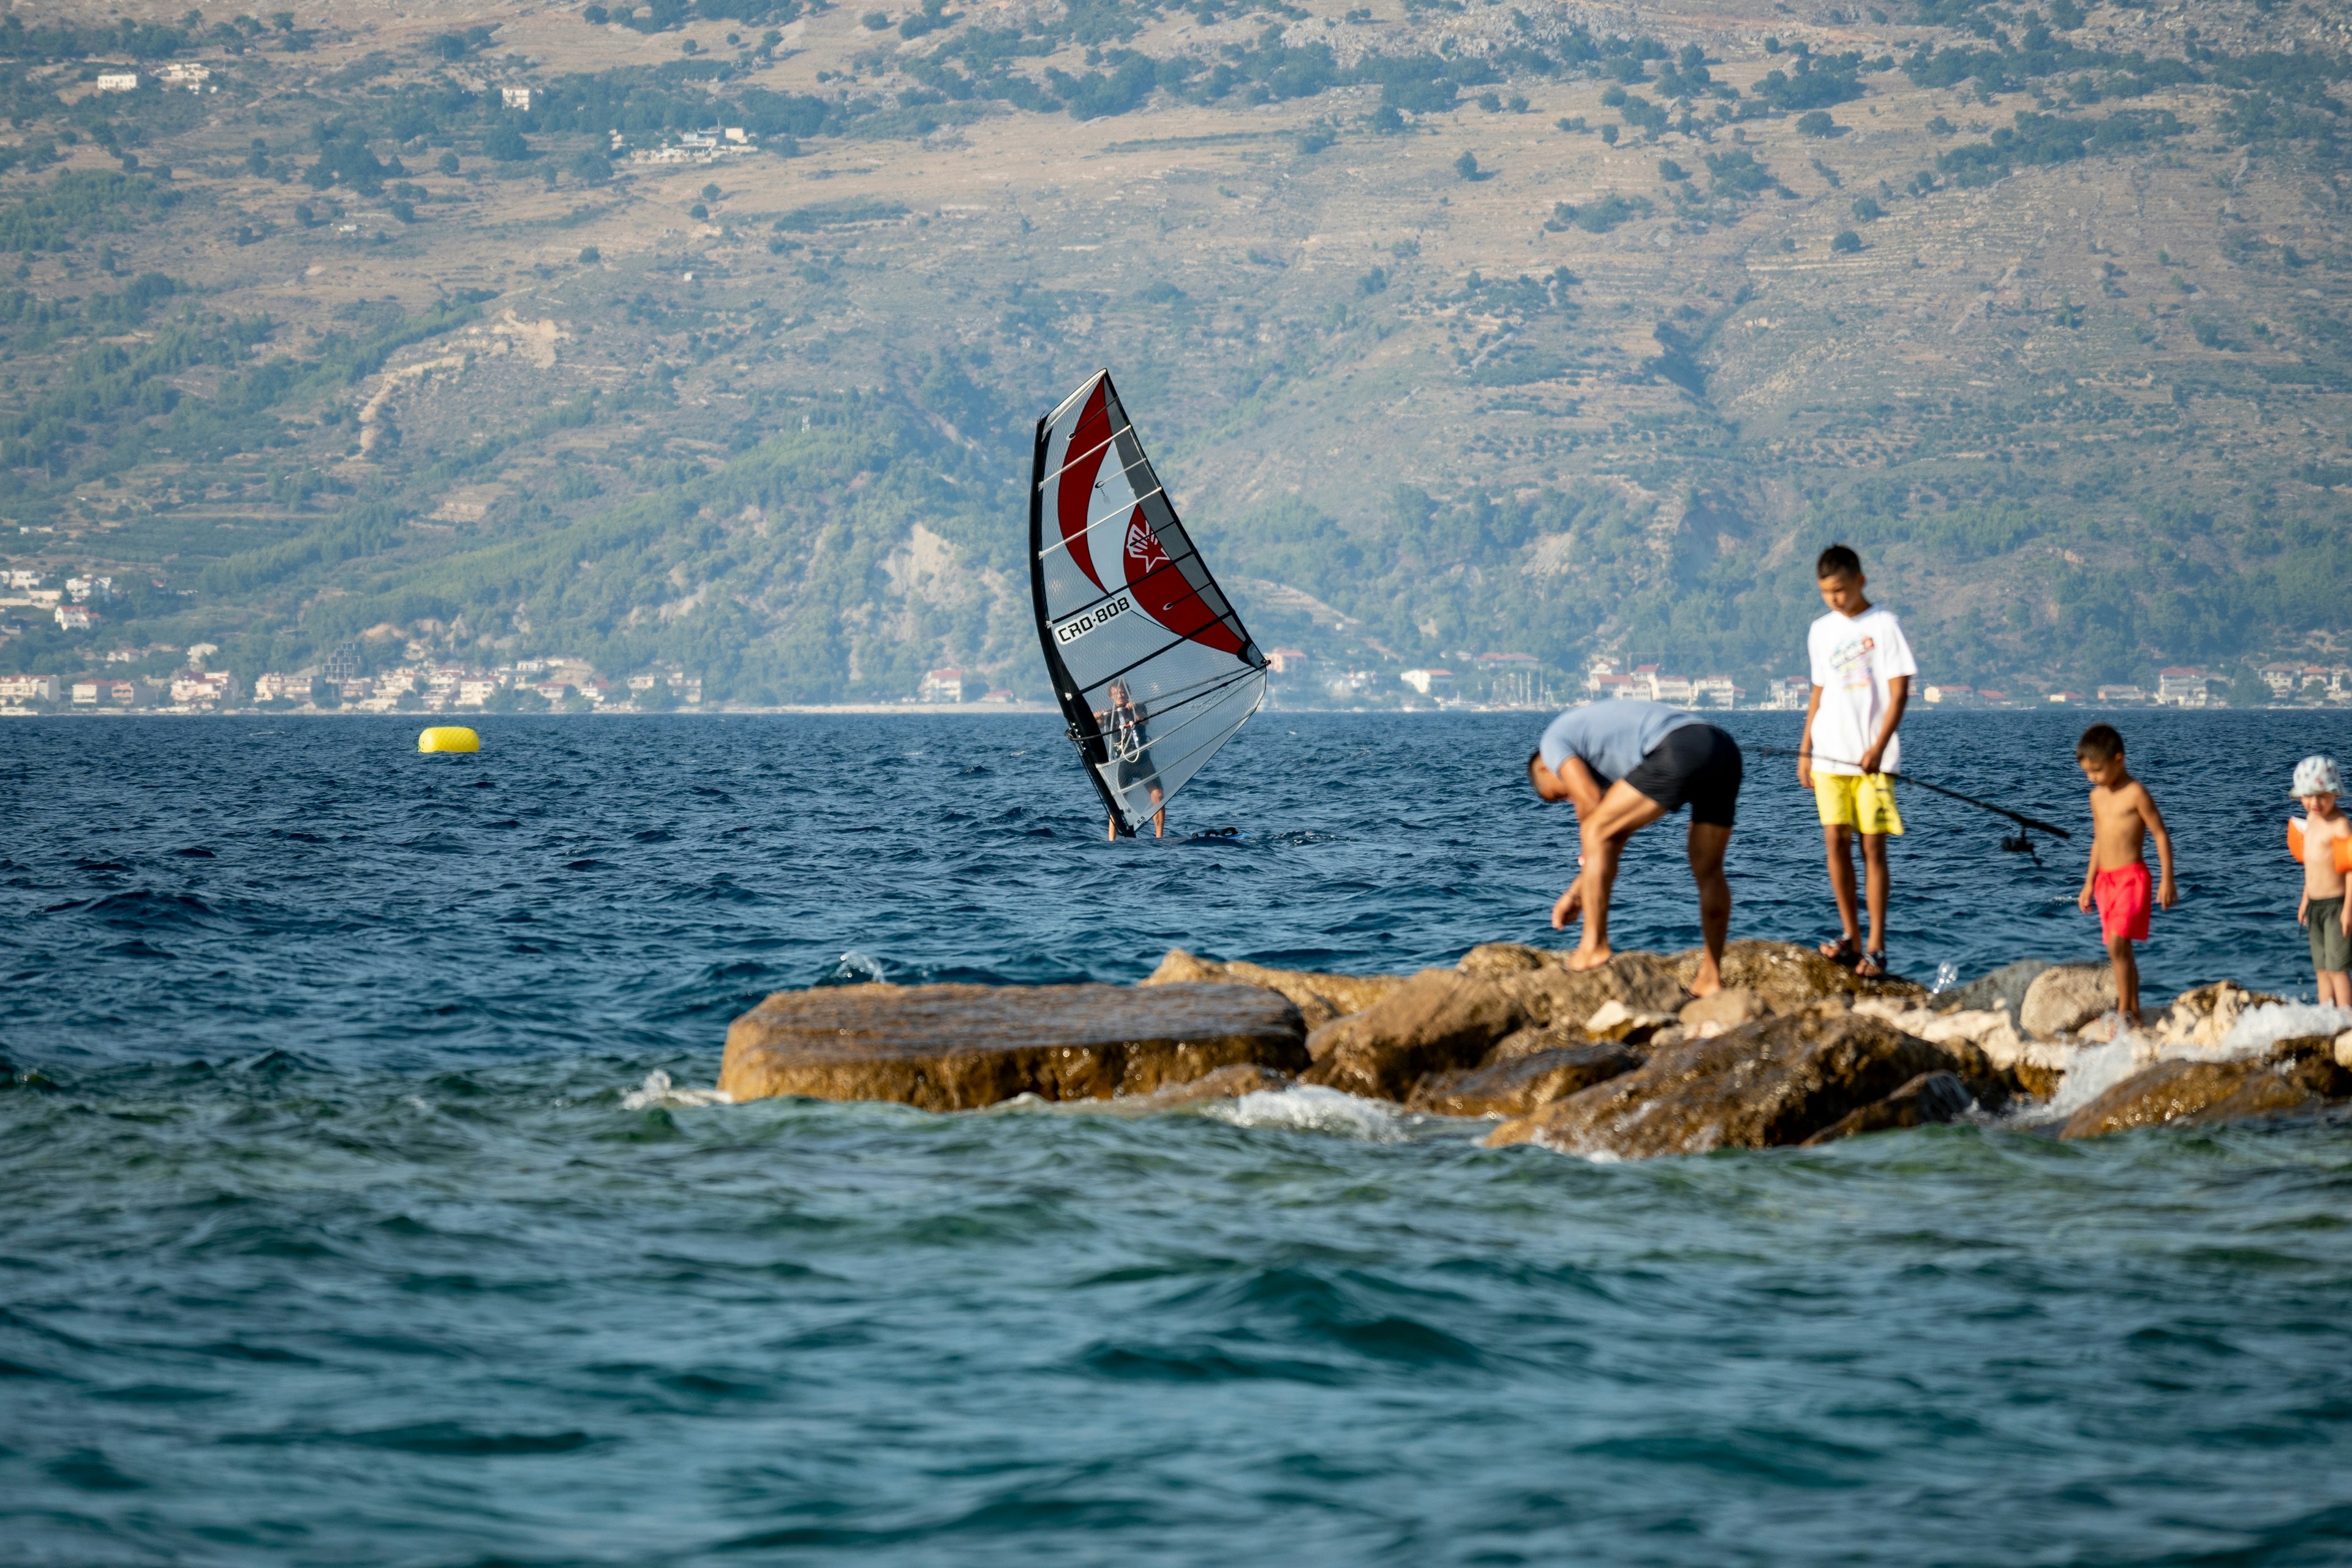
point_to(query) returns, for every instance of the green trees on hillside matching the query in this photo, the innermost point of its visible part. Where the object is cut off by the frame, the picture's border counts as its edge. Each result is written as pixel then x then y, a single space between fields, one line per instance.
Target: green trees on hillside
pixel 778 550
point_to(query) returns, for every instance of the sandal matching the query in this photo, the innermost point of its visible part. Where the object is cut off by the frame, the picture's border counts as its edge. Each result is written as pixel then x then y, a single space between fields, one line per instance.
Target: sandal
pixel 1873 966
pixel 1842 952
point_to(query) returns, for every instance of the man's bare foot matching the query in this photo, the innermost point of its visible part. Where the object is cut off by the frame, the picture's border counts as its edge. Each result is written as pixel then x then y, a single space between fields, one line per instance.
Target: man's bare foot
pixel 1707 982
pixel 1585 958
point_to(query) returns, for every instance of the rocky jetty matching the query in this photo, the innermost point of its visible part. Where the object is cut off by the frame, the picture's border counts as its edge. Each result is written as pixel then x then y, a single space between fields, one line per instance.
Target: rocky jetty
pixel 1617 1062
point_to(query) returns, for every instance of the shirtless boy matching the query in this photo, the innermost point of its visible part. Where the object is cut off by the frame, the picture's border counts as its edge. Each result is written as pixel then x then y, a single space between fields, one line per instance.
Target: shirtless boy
pixel 2123 814
pixel 2325 910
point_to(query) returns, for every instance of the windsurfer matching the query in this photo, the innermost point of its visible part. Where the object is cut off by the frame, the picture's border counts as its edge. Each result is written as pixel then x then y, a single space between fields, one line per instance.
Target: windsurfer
pixel 1131 751
pixel 1626 764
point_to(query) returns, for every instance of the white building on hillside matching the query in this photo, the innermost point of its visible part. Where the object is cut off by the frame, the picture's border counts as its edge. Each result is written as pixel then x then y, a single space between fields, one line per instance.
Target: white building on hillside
pixel 1432 683
pixel 2183 688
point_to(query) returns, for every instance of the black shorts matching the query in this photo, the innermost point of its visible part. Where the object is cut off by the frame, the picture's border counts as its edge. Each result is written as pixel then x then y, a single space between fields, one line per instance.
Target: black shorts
pixel 1697 765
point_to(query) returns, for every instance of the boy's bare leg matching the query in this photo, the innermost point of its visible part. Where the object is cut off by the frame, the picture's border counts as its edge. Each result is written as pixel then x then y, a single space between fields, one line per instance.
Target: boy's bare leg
pixel 1621 811
pixel 2336 987
pixel 1708 842
pixel 1158 818
pixel 1839 838
pixel 1874 870
pixel 2126 978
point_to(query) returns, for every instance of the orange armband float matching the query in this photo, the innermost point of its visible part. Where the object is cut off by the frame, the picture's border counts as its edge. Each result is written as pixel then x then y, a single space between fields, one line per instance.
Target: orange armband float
pixel 2295 845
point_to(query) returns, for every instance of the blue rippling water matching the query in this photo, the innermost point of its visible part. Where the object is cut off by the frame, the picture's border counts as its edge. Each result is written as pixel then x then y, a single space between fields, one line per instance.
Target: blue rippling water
pixel 335 1237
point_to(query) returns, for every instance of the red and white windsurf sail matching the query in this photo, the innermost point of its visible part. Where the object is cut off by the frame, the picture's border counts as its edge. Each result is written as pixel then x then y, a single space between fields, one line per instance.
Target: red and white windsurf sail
pixel 1151 665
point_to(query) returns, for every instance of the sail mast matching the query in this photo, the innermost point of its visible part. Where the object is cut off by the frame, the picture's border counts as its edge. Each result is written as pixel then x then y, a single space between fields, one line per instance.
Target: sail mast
pixel 1151 666
pixel 1083 731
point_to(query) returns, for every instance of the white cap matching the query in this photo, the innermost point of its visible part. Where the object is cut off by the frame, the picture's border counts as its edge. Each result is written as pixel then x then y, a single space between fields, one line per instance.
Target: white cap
pixel 2317 776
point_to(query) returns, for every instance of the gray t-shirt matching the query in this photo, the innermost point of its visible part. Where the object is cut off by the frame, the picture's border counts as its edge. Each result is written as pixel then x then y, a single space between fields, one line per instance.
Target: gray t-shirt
pixel 1611 737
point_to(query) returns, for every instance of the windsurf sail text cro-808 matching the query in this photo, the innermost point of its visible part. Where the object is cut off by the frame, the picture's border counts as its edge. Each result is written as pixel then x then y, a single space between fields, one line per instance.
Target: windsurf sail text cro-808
pixel 1153 667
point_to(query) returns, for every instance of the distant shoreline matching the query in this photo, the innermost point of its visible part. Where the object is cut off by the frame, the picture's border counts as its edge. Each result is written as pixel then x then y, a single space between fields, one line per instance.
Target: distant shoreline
pixel 1004 710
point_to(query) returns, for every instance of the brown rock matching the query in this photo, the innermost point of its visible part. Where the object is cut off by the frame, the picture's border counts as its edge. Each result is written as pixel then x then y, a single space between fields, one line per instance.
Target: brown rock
pixel 1526 1042
pixel 1320 998
pixel 2066 996
pixel 1641 982
pixel 1726 1009
pixel 1774 1082
pixel 1517 1085
pixel 1323 1039
pixel 957 1048
pixel 1495 960
pixel 1786 977
pixel 1930 1098
pixel 2298 1074
pixel 1225 1083
pixel 1615 1021
pixel 1437 1021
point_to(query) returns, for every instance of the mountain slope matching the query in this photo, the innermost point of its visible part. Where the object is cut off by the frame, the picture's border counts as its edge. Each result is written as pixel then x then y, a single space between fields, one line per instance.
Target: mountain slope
pixel 1486 327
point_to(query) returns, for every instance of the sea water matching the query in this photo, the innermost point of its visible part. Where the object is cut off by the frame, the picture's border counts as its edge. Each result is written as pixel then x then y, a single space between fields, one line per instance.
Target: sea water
pixel 367 1205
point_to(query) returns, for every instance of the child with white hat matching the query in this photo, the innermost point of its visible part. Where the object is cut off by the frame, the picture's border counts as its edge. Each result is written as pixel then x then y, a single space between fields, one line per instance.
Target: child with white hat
pixel 2323 910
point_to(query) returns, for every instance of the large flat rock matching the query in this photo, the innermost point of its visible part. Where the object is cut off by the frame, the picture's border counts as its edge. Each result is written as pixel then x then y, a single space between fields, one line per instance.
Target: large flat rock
pixel 959 1048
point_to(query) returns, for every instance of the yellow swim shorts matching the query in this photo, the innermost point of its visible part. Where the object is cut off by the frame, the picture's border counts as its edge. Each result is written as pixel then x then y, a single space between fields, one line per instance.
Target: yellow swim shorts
pixel 1863 802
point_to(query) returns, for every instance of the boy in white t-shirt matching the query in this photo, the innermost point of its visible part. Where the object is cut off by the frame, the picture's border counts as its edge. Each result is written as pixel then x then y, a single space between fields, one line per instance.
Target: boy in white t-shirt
pixel 1861 671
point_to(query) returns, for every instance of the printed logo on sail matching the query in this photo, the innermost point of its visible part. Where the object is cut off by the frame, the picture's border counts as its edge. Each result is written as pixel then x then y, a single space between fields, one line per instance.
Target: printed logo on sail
pixel 1142 544
pixel 1076 626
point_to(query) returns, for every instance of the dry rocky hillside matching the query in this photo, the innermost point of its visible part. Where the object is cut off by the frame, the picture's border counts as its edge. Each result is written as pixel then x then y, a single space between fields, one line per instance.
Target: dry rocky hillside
pixel 1455 327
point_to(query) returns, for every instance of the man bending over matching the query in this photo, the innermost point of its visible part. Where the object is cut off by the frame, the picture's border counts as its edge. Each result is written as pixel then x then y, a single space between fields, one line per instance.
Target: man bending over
pixel 1626 764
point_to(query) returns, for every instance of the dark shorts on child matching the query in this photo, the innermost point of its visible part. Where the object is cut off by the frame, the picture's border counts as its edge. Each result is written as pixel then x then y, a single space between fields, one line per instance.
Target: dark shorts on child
pixel 2331 950
pixel 1697 765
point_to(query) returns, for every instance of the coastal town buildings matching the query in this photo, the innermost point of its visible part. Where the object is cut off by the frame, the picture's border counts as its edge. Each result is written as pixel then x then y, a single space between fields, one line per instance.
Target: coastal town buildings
pixel 352 676
pixel 1512 679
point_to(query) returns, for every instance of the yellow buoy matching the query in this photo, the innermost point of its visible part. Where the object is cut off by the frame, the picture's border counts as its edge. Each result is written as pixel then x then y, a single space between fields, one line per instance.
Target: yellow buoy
pixel 449 738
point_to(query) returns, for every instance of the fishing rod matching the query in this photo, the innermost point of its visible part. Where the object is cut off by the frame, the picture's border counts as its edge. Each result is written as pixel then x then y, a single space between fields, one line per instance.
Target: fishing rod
pixel 2019 843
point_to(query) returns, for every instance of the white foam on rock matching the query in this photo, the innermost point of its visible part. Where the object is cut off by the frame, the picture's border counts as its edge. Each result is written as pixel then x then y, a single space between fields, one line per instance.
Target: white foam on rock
pixel 658 1093
pixel 1311 1108
pixel 2260 1027
pixel 2096 1068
